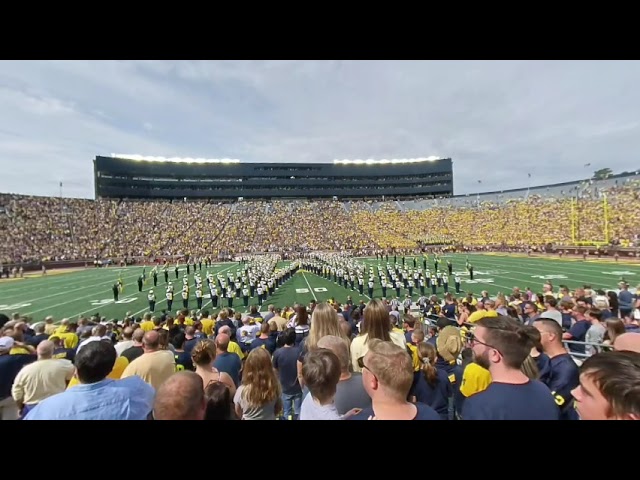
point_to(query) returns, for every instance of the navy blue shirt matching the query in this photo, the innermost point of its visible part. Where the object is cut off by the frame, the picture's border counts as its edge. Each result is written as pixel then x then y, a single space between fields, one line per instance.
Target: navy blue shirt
pixel 564 377
pixel 425 412
pixel 285 360
pixel 10 365
pixel 578 333
pixel 458 397
pixel 229 363
pixel 504 401
pixel 436 396
pixel 544 367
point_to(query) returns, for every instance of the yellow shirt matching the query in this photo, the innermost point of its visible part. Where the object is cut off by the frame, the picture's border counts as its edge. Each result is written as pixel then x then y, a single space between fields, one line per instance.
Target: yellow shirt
pixel 475 379
pixel 147 326
pixel 207 326
pixel 414 357
pixel 70 339
pixel 116 373
pixel 235 348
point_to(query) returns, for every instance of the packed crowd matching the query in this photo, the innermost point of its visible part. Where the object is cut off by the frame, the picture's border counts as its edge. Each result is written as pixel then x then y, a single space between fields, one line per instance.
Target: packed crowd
pixel 44 228
pixel 462 358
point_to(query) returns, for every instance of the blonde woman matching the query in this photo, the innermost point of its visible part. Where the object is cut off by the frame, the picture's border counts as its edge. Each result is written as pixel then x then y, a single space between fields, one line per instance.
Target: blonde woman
pixel 375 324
pixel 259 396
pixel 202 356
pixel 324 321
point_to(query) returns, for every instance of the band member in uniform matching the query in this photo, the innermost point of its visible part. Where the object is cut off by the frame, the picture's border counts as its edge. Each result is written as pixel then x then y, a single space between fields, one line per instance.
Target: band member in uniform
pixel 457 280
pixel 169 299
pixel 116 290
pixel 199 296
pixel 260 293
pixel 185 296
pixel 214 296
pixel 230 294
pixel 152 300
pixel 140 281
pixel 245 296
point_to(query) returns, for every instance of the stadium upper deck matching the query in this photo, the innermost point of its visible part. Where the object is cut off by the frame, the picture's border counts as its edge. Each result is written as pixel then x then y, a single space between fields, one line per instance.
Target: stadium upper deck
pixel 153 177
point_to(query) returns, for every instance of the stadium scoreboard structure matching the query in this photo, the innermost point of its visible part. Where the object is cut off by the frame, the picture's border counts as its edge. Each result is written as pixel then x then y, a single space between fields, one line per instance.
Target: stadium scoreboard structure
pixel 121 176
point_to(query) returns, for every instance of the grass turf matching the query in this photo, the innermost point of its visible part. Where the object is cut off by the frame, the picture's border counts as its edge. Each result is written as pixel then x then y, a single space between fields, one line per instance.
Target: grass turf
pixel 88 291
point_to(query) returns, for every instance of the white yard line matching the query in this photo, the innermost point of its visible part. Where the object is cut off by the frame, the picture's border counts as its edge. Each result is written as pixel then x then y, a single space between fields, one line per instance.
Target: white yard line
pixel 66 292
pixel 310 289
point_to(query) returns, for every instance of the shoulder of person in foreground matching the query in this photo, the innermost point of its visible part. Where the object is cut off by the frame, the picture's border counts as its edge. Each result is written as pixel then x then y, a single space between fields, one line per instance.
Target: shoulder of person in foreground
pixel 65 405
pixel 424 412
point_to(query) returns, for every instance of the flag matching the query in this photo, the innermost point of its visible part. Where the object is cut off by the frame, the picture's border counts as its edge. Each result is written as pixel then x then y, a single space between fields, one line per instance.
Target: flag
pixel 529 175
pixel 587 164
pixel 60 184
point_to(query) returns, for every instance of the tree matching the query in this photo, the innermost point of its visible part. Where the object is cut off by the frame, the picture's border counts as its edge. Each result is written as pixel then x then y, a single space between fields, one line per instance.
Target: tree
pixel 602 173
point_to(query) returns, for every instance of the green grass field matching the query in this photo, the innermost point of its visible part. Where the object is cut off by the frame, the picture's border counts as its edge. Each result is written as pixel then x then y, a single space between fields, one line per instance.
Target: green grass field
pixel 88 291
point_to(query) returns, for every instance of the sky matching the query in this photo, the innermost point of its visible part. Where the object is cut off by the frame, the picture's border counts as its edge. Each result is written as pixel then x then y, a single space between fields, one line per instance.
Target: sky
pixel 497 120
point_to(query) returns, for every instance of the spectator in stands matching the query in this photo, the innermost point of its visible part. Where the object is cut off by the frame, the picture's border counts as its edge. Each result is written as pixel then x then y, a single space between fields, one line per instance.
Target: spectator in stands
pixel 285 362
pixel 578 331
pixel 180 397
pixel 97 397
pixel 387 376
pixel 219 402
pixel 625 300
pixel 564 374
pixel 10 366
pixel 126 342
pixel 136 349
pixel 350 392
pixel 41 379
pixel 376 325
pixel 431 386
pixel 501 345
pixel 596 332
pixel 203 356
pixel 226 361
pixel 324 322
pixel 155 366
pixel 259 396
pixel 321 373
pixel 542 360
pixel 609 387
pixel 39 336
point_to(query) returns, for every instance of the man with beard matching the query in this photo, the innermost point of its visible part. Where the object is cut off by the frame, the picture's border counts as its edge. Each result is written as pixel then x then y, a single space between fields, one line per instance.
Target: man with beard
pixel 501 345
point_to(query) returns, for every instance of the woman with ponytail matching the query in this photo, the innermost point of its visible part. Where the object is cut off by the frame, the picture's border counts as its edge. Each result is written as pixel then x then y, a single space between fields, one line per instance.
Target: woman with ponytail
pixel 432 386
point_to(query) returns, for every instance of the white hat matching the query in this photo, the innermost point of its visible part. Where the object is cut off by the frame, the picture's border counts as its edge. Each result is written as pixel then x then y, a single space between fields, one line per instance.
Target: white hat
pixel 6 343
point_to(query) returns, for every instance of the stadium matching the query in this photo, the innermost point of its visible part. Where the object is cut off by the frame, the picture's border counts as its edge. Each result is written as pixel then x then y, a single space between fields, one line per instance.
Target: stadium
pixel 370 231
pixel 368 288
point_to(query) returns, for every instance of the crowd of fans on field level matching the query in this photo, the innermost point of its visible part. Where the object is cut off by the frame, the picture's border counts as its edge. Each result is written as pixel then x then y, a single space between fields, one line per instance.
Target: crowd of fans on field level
pixel 451 358
pixel 48 228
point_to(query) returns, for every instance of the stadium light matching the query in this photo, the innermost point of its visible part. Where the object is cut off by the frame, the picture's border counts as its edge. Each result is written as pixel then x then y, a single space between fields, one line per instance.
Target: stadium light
pixel 385 161
pixel 144 158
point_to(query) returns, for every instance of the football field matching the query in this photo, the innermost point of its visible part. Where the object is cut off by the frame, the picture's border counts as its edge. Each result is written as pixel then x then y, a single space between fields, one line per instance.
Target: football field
pixel 88 291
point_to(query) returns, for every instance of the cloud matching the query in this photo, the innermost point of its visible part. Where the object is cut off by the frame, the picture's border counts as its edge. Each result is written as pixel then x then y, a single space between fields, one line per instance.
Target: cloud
pixel 497 120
